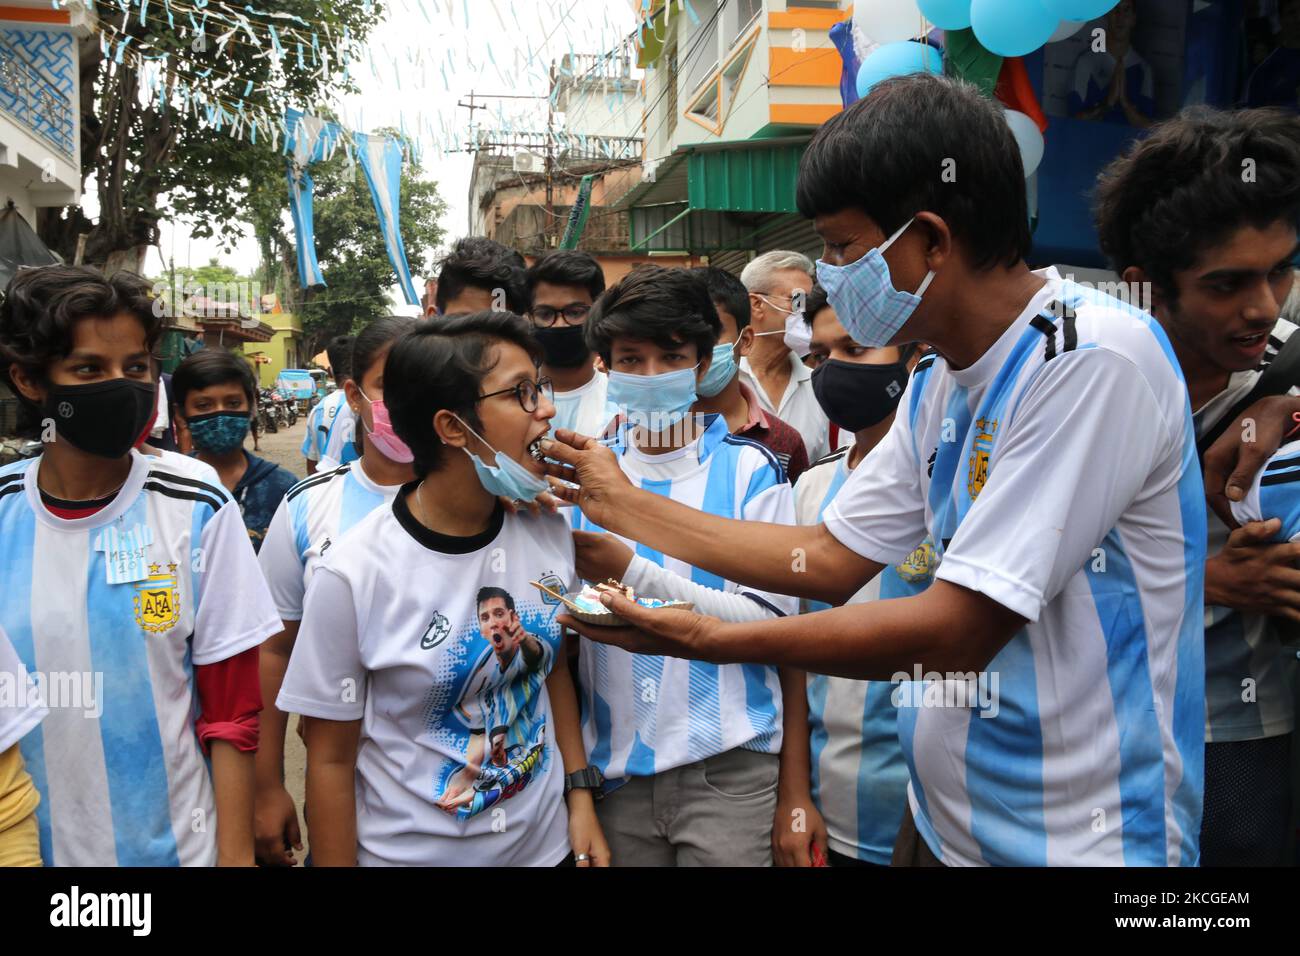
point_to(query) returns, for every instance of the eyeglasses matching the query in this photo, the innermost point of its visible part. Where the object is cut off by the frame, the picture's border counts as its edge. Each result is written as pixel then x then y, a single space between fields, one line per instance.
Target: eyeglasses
pixel 767 297
pixel 545 316
pixel 526 392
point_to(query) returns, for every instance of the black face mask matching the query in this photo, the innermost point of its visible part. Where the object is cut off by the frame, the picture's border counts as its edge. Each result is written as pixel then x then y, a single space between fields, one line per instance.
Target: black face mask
pixel 856 396
pixel 102 418
pixel 563 346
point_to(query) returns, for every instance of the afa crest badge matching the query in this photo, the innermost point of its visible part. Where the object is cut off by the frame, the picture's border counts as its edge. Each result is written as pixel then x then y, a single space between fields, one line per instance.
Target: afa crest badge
pixel 158 600
pixel 920 564
pixel 981 449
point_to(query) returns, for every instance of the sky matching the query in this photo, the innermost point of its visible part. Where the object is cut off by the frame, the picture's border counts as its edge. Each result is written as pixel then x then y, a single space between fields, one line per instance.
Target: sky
pixel 427 56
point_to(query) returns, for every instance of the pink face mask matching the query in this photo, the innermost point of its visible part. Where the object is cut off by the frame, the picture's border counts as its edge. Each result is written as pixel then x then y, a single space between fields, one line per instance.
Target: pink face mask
pixel 385 439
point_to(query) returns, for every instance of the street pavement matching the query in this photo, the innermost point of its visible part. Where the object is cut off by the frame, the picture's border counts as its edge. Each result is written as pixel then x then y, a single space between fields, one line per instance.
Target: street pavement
pixel 285 448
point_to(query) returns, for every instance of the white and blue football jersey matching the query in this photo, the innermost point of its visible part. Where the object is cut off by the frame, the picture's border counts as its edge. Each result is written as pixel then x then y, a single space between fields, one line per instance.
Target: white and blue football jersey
pixel 331 433
pixel 1057 475
pixel 127 600
pixel 314 514
pixel 1249 671
pixel 859 777
pixel 1275 493
pixel 642 713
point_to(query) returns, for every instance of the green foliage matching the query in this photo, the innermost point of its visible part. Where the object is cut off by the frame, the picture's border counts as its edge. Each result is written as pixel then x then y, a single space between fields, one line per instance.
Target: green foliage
pixel 351 250
pixel 158 161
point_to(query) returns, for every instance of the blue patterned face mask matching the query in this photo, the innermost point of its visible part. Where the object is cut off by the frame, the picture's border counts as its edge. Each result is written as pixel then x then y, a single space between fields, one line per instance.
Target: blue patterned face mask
pixel 218 433
pixel 507 478
pixel 721 370
pixel 862 293
pixel 655 402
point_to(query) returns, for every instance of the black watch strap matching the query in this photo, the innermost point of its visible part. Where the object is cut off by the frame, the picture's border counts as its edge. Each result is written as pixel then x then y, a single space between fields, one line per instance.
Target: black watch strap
pixel 588 778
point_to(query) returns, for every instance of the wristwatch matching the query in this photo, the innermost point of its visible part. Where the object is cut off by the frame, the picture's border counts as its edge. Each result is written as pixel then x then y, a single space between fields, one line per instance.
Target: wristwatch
pixel 588 778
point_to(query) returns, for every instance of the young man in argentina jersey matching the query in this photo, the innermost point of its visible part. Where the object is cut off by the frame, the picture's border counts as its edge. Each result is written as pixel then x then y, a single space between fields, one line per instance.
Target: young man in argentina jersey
pixel 688 749
pixel 845 757
pixel 441 731
pixel 312 518
pixel 1216 249
pixel 132 576
pixel 331 428
pixel 562 285
pixel 1048 452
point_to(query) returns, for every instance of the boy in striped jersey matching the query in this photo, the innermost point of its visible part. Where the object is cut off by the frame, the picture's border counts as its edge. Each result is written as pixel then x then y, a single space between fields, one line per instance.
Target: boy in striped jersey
pixel 331 428
pixel 312 518
pixel 844 754
pixel 1047 452
pixel 1215 247
pixel 114 565
pixel 688 749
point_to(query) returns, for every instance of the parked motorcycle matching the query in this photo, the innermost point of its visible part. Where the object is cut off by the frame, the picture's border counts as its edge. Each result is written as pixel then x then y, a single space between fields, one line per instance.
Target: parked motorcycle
pixel 270 410
pixel 290 406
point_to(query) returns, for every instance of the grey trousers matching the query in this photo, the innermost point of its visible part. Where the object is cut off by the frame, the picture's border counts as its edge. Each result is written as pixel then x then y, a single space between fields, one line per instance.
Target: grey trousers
pixel 715 812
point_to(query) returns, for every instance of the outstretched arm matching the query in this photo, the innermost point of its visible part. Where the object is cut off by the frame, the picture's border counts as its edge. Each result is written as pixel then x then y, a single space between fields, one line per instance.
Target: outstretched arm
pixel 801 561
pixel 946 628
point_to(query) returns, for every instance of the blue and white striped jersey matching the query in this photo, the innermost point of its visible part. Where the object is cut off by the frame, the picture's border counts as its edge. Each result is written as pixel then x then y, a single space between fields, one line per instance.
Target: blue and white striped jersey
pixel 1269 685
pixel 1057 475
pixel 128 600
pixel 314 514
pixel 859 777
pixel 1275 493
pixel 331 433
pixel 1249 674
pixel 643 714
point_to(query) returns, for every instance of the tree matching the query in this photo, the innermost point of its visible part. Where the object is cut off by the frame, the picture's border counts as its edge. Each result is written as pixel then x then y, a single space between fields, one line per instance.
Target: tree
pixel 212 282
pixel 351 249
pixel 151 158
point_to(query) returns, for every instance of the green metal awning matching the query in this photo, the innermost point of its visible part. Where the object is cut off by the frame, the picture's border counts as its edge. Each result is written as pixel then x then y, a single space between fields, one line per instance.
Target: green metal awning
pixel 749 177
pixel 716 196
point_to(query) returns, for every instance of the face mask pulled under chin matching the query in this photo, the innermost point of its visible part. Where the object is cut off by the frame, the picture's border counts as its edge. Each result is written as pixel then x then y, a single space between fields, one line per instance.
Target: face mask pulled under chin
pixel 507 478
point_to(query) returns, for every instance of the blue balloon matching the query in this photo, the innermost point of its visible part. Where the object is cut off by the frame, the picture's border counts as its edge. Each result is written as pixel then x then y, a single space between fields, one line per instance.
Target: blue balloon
pixel 1080 10
pixel 1012 27
pixel 946 14
pixel 897 59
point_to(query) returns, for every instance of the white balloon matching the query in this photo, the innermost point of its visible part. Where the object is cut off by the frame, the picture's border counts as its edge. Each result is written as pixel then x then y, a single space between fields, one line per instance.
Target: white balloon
pixel 1029 138
pixel 889 21
pixel 1066 29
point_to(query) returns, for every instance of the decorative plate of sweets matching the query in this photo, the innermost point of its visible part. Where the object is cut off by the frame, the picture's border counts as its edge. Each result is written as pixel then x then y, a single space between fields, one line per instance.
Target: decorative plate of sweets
pixel 585 604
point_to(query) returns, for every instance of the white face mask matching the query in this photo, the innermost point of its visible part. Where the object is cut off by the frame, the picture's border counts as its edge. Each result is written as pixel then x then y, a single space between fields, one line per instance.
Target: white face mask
pixel 796 335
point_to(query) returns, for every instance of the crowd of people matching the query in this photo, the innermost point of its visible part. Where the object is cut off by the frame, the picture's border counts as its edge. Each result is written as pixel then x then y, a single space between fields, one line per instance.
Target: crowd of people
pixel 944 584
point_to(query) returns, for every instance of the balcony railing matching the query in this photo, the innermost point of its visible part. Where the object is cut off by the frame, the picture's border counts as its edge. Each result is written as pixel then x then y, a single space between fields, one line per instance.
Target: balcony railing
pixel 35 102
pixel 569 147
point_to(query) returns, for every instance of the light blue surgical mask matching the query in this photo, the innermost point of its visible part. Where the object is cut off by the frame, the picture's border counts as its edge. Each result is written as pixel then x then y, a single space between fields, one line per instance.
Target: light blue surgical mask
pixel 721 370
pixel 655 402
pixel 507 478
pixel 862 293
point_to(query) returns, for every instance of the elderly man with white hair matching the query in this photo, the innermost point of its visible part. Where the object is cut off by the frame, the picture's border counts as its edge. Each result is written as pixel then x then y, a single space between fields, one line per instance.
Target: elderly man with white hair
pixel 777 282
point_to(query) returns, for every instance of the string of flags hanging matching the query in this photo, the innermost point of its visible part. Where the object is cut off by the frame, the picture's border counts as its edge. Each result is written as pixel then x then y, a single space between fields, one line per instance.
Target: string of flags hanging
pixel 223 101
